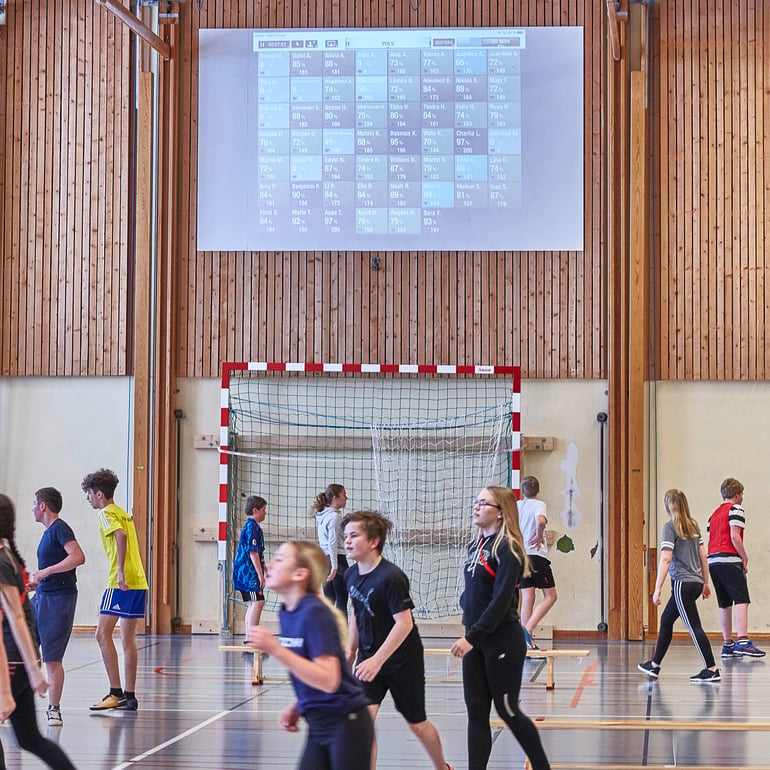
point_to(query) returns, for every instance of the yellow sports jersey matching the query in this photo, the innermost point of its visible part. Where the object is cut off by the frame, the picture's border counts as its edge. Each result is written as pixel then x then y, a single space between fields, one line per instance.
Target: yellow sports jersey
pixel 111 519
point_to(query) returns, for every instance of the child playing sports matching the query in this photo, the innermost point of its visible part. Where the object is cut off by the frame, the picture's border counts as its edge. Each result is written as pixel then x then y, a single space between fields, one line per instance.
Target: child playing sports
pixel 493 648
pixel 26 677
pixel 728 565
pixel 249 561
pixel 331 701
pixel 683 556
pixel 326 508
pixel 390 652
pixel 532 521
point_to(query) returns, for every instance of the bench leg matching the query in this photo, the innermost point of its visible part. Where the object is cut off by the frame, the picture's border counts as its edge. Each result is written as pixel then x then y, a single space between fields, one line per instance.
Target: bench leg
pixel 549 683
pixel 256 669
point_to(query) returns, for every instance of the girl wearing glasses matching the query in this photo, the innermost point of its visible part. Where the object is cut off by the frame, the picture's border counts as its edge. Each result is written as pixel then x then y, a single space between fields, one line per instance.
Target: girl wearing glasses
pixel 493 648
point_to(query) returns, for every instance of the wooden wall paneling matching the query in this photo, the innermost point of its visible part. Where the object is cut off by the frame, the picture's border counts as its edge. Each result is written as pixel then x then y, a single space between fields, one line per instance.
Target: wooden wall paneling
pixel 758 224
pixel 93 236
pixel 763 213
pixel 701 218
pixel 80 278
pixel 24 199
pixel 667 239
pixel 66 243
pixel 41 274
pixel 678 287
pixel 687 156
pixel 6 153
pixel 732 192
pixel 749 173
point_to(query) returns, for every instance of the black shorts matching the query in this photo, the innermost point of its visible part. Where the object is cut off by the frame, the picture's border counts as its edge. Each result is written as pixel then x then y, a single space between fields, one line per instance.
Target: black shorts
pixel 406 682
pixel 730 584
pixel 252 596
pixel 540 575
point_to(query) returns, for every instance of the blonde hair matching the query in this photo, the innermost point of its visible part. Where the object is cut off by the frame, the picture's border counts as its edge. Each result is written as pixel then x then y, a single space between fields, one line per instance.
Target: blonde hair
pixel 509 529
pixel 309 556
pixel 677 507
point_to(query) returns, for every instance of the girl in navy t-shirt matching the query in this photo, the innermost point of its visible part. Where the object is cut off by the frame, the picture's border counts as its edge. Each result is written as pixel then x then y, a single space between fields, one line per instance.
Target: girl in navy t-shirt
pixel 331 701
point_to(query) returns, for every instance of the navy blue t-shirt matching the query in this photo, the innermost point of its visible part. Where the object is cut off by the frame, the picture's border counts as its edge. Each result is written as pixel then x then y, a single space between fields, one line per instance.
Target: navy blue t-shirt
pixel 310 630
pixel 51 551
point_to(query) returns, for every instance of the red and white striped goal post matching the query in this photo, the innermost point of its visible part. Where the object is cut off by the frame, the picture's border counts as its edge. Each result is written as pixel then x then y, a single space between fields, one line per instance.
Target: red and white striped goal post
pixel 228 367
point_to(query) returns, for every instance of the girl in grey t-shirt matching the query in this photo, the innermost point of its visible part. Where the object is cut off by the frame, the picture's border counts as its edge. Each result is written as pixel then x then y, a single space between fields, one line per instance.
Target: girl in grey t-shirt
pixel 683 556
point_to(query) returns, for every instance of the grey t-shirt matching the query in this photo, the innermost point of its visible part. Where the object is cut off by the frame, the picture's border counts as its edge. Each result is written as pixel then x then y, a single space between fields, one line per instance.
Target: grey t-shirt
pixel 685 560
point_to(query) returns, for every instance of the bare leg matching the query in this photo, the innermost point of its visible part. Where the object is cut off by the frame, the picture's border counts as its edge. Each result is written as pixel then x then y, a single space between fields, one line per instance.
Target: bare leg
pixel 55 682
pixel 254 613
pixel 726 620
pixel 549 599
pixel 104 629
pixel 373 709
pixel 741 615
pixel 428 736
pixel 128 638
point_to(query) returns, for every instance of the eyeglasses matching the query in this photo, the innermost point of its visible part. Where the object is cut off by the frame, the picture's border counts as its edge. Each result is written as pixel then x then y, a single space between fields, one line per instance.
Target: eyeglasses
pixel 482 503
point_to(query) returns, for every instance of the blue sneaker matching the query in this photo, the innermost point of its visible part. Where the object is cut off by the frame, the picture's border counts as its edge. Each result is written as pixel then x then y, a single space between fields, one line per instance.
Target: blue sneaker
pixel 744 648
pixel 728 650
pixel 528 639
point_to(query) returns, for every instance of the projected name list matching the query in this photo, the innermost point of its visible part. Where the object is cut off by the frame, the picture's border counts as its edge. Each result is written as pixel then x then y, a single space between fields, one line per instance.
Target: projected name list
pixel 413 139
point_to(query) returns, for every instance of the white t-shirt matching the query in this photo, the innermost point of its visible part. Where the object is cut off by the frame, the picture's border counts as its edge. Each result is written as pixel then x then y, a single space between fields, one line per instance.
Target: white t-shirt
pixel 530 509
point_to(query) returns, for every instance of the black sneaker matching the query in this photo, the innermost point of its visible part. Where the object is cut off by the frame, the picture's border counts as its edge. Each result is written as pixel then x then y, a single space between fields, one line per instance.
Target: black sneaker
pixel 649 669
pixel 131 704
pixel 706 677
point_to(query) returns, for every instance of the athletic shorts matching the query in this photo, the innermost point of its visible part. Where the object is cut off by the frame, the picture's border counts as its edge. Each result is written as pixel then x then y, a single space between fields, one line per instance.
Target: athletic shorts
pixel 124 604
pixel 540 575
pixel 252 596
pixel 730 584
pixel 406 682
pixel 55 615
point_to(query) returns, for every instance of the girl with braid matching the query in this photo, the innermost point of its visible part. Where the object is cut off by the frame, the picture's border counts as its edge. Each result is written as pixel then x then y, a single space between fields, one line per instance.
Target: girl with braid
pixel 493 648
pixel 26 676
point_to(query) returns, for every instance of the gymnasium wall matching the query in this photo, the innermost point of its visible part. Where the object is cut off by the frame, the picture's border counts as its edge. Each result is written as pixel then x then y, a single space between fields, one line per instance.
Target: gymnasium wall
pixel 709 288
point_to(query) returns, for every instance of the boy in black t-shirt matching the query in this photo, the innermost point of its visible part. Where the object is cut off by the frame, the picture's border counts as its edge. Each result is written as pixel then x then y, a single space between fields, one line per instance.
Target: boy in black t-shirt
pixel 390 653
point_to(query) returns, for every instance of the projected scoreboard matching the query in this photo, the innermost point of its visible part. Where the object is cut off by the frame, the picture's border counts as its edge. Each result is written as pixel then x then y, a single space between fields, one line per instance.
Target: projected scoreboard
pixel 384 139
pixel 385 135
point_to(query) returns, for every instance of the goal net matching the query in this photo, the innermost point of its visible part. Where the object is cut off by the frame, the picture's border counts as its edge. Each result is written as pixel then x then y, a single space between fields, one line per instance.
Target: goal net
pixel 414 443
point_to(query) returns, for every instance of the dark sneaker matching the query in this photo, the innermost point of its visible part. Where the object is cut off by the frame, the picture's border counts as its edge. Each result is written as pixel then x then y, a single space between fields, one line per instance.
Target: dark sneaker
pixel 109 701
pixel 706 677
pixel 54 716
pixel 131 704
pixel 744 648
pixel 728 650
pixel 651 671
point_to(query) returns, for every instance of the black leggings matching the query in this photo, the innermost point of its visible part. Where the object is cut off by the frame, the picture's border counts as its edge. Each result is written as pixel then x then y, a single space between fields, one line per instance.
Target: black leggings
pixel 682 605
pixel 24 723
pixel 338 741
pixel 492 672
pixel 335 590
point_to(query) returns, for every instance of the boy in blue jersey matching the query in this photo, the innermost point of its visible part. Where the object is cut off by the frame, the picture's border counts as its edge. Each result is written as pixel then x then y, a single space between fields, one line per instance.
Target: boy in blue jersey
pixel 249 561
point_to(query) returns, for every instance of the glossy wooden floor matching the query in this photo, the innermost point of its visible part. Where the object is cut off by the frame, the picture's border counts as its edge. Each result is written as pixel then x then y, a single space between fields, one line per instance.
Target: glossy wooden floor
pixel 199 711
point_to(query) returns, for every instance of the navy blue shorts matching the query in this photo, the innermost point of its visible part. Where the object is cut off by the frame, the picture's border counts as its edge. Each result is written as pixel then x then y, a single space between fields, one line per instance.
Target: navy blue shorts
pixel 124 604
pixel 55 616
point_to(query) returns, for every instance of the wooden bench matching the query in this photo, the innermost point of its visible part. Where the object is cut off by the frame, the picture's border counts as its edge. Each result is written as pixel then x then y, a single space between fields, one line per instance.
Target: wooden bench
pixel 548 655
pixel 256 669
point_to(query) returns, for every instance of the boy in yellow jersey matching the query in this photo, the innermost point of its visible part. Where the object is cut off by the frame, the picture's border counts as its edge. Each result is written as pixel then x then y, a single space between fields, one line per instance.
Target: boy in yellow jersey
pixel 126 593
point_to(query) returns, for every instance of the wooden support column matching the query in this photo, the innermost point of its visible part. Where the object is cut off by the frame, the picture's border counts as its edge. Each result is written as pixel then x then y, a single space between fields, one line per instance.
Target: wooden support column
pixel 165 481
pixel 142 310
pixel 637 350
pixel 617 358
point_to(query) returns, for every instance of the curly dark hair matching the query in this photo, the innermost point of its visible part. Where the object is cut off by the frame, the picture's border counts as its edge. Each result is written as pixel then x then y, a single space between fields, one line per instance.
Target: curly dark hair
pixel 104 480
pixel 8 526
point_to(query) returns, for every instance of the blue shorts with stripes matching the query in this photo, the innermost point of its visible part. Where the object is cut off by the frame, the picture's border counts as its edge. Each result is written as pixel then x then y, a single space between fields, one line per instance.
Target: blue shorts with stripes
pixel 124 604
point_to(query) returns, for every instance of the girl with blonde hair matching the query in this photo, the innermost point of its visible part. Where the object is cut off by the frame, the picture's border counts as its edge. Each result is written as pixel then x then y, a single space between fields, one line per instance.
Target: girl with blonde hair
pixel 683 556
pixel 329 698
pixel 493 648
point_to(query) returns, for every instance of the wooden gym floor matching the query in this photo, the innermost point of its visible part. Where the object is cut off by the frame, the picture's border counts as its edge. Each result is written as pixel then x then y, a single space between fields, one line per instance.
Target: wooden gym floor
pixel 199 711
